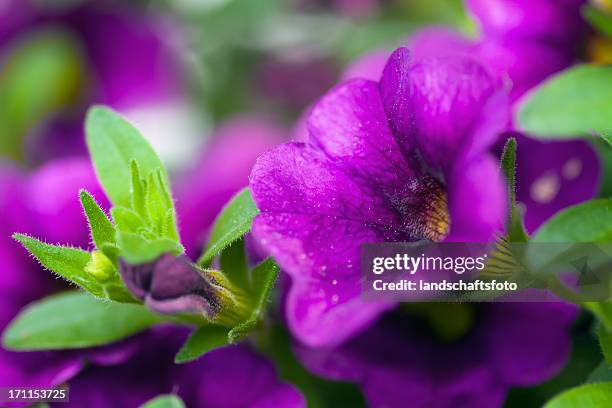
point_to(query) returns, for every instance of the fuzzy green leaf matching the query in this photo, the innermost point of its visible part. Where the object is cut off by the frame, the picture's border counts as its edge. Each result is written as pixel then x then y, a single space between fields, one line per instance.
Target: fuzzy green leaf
pixel 113 145
pixel 165 401
pixel 67 262
pixel 234 264
pixel 234 221
pixel 601 373
pixel 200 342
pixel 596 395
pixel 553 111
pixel 602 310
pixel 264 276
pixel 605 342
pixel 101 228
pixel 75 320
pixel 516 229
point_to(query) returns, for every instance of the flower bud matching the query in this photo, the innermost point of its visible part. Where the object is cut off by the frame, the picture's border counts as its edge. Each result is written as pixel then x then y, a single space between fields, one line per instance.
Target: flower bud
pixel 173 285
pixel 100 266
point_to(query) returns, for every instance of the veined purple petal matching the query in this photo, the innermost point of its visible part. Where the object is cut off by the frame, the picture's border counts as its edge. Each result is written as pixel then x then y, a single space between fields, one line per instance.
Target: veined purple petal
pixel 349 125
pixel 436 105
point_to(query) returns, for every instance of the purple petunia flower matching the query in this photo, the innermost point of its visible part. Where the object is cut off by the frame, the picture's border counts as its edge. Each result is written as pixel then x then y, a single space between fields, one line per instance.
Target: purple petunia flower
pixel 402 359
pixel 403 159
pixel 543 187
pixel 400 160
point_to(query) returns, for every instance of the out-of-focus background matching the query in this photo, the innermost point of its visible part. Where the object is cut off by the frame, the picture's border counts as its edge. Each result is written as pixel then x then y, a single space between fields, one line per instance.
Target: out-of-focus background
pixel 179 68
pixel 211 84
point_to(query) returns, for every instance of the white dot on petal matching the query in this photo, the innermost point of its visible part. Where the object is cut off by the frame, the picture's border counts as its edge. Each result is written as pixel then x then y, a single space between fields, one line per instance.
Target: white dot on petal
pixel 545 188
pixel 572 169
pixel 335 299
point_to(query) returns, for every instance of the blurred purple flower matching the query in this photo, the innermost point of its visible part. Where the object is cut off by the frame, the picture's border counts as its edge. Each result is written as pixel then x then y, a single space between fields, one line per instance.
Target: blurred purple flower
pixel 230 377
pixel 43 203
pixel 400 359
pixel 553 175
pixel 222 171
pixel 108 36
pixel 397 160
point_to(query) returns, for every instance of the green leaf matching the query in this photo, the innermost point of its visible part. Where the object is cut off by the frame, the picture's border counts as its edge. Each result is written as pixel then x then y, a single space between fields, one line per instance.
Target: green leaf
pixel 128 220
pixel 599 19
pixel 596 395
pixel 602 310
pixel 113 145
pixel 602 373
pixel 101 228
pixel 165 401
pixel 234 264
pixel 516 229
pixel 605 341
pixel 587 222
pixel 553 111
pixel 67 262
pixel 137 250
pixel 264 276
pixel 201 341
pixel 138 190
pixel 234 221
pixel 72 264
pixel 42 74
pixel 75 320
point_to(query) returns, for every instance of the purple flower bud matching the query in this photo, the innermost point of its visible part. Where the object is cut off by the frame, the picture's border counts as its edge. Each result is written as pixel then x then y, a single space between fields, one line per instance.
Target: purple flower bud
pixel 172 285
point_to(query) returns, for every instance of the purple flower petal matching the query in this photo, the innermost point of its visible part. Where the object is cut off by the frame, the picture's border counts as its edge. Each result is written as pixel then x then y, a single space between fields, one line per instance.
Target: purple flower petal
pixel 234 376
pixel 554 175
pixel 313 219
pixel 436 105
pixel 477 201
pixel 150 75
pixel 522 340
pixel 349 125
pixel 410 367
pixel 53 200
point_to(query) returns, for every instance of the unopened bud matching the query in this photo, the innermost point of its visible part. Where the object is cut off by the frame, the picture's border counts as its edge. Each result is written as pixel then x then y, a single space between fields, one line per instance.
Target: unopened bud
pixel 173 285
pixel 99 266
